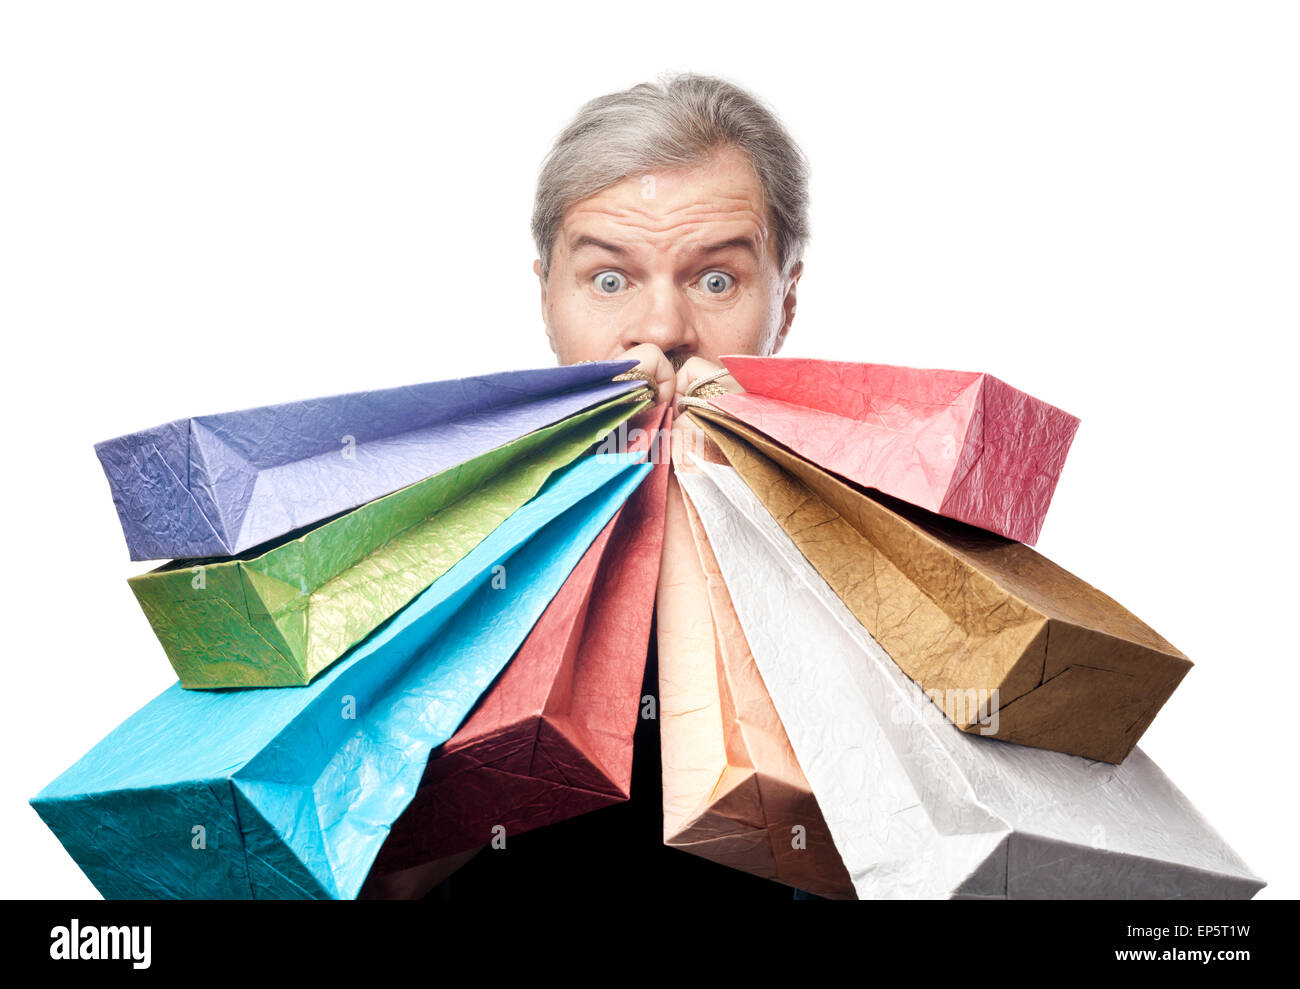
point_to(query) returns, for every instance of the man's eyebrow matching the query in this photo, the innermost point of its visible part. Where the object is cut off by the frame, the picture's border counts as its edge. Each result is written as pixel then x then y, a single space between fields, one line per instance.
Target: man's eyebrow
pixel 746 242
pixel 586 240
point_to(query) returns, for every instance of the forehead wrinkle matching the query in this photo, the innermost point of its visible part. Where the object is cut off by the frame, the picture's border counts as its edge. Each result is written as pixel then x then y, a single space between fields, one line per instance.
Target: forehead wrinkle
pixel 686 245
pixel 641 224
pixel 677 221
pixel 722 189
pixel 687 239
pixel 721 205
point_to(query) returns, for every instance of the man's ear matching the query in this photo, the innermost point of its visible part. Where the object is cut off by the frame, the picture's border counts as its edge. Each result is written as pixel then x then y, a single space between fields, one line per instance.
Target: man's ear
pixel 550 337
pixel 787 307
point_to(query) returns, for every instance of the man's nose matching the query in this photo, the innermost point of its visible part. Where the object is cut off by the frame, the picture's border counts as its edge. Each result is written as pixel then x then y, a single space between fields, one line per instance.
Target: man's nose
pixel 661 316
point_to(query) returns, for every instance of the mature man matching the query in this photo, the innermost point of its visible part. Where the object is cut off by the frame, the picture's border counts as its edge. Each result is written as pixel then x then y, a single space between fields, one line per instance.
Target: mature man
pixel 670 223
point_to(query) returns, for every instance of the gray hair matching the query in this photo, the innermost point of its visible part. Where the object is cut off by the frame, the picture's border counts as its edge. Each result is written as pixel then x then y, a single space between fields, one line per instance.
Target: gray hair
pixel 677 122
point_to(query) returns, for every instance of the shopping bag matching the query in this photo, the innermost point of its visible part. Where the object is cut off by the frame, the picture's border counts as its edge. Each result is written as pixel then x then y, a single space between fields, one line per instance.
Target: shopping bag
pixel 279 616
pixel 289 793
pixel 552 738
pixel 217 485
pixel 733 791
pixel 916 808
pixel 961 444
pixel 979 621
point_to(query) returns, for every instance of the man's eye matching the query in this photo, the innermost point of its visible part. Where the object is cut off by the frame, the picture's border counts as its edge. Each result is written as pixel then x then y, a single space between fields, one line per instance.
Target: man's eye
pixel 716 282
pixel 609 282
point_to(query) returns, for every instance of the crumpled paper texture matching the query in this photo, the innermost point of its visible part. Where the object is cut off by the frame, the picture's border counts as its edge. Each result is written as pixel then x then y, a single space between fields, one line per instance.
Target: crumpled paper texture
pixel 552 738
pixel 295 790
pixel 916 809
pixel 961 444
pixel 280 616
pixel 217 485
pixel 733 791
pixel 963 611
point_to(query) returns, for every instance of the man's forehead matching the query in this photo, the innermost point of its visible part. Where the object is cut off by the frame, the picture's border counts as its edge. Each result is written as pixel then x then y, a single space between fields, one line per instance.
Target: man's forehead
pixel 718 200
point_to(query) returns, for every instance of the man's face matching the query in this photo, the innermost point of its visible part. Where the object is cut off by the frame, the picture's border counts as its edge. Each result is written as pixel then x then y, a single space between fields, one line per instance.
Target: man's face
pixel 680 258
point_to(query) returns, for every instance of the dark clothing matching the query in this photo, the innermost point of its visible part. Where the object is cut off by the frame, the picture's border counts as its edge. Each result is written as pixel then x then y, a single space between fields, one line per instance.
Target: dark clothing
pixel 615 853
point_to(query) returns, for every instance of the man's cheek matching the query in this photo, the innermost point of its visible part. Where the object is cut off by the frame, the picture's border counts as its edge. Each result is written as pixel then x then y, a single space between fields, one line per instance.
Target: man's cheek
pixel 739 330
pixel 583 335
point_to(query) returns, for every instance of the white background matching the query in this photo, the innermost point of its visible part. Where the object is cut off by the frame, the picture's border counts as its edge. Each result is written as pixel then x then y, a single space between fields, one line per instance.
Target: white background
pixel 210 206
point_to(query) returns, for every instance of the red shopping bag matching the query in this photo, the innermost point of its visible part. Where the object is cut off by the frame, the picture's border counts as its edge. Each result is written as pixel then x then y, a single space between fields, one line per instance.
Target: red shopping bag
pixel 962 444
pixel 553 736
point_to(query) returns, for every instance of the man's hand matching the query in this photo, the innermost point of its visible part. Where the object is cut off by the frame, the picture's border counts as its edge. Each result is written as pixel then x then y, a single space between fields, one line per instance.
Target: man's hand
pixel 670 384
pixel 651 359
pixel 696 368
